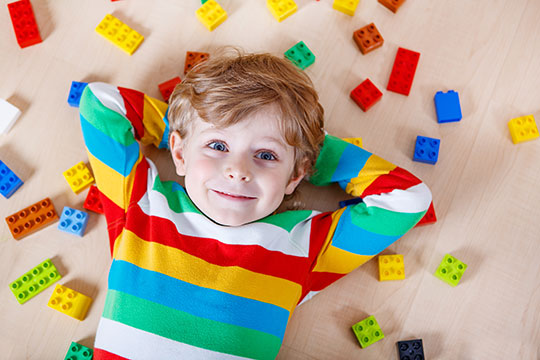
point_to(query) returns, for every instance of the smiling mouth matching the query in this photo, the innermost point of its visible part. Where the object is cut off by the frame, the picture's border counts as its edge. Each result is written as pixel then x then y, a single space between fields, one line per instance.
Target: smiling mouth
pixel 233 196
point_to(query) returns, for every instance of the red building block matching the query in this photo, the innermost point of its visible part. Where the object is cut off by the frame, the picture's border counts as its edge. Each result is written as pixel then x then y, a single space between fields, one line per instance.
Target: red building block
pixel 168 86
pixel 366 94
pixel 403 71
pixel 368 38
pixel 392 5
pixel 193 58
pixel 93 201
pixel 429 217
pixel 32 218
pixel 24 23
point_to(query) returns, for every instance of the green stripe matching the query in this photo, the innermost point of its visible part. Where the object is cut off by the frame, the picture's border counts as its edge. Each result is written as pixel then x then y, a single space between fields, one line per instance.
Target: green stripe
pixel 177 200
pixel 104 119
pixel 382 221
pixel 328 160
pixel 189 329
pixel 287 220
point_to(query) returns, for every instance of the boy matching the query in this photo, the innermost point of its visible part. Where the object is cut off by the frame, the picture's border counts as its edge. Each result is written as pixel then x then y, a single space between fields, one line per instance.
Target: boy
pixel 210 270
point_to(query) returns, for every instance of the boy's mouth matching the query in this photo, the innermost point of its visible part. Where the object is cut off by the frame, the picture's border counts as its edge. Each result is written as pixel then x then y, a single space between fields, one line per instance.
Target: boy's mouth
pixel 231 196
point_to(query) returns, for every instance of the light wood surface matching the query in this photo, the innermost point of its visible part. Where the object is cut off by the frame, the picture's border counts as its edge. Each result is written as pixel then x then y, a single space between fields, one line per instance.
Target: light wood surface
pixel 486 189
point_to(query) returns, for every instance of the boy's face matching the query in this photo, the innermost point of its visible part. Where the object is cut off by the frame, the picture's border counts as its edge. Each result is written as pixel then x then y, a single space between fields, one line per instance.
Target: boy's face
pixel 238 174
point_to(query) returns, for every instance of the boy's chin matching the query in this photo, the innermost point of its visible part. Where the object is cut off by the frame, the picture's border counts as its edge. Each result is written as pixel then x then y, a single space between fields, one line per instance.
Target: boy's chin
pixel 232 220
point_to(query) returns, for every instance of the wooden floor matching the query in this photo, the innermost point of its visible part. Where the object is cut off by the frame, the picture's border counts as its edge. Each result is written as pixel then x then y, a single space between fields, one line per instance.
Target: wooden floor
pixel 486 189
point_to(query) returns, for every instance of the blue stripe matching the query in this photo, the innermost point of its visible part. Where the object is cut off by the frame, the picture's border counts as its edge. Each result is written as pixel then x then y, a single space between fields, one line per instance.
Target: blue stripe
pixel 164 144
pixel 356 240
pixel 198 301
pixel 352 160
pixel 110 152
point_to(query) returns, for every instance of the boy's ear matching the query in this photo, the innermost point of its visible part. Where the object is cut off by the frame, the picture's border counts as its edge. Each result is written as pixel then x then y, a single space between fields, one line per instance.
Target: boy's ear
pixel 295 181
pixel 177 152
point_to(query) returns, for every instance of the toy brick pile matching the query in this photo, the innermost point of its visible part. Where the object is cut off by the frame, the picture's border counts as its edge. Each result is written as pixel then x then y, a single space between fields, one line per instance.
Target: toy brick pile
pixel 211 15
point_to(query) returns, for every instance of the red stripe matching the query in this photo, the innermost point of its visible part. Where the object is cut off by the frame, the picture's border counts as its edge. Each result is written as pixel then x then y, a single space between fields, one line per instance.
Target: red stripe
pixel 251 257
pixel 395 179
pixel 100 354
pixel 134 102
pixel 140 182
pixel 320 280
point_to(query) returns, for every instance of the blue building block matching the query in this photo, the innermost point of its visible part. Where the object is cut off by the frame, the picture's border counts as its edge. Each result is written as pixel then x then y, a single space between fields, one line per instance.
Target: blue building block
pixel 410 349
pixel 344 203
pixel 73 221
pixel 75 93
pixel 447 106
pixel 9 182
pixel 426 150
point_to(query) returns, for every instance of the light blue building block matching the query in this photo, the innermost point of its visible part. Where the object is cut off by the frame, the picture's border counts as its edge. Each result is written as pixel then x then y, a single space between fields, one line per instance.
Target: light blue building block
pixel 9 182
pixel 426 150
pixel 73 221
pixel 447 106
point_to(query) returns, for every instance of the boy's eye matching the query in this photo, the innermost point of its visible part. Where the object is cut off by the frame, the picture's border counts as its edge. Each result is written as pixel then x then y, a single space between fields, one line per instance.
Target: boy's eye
pixel 265 155
pixel 217 145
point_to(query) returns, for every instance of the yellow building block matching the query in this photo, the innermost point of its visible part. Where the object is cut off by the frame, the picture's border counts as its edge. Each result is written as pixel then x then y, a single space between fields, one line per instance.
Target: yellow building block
pixel 391 267
pixel 281 9
pixel 346 6
pixel 354 141
pixel 523 129
pixel 69 302
pixel 78 177
pixel 211 14
pixel 119 34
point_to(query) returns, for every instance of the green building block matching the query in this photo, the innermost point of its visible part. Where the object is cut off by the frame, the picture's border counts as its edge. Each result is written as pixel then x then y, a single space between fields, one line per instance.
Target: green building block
pixel 367 331
pixel 79 352
pixel 300 55
pixel 450 270
pixel 34 281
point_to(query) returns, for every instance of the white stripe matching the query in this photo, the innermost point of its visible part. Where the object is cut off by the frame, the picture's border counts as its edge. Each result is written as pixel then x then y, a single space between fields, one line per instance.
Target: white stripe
pixel 309 296
pixel 136 344
pixel 415 199
pixel 271 237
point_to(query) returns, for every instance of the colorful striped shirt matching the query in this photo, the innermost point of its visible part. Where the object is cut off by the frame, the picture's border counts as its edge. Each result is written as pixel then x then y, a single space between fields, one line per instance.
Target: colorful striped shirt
pixel 182 286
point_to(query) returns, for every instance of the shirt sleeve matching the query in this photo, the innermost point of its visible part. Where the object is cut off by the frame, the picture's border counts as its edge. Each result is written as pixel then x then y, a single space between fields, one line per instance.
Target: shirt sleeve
pixel 115 122
pixel 393 201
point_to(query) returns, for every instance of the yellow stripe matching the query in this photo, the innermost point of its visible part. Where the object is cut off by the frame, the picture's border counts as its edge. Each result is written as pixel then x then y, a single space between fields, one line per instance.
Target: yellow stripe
pixel 231 279
pixel 111 183
pixel 153 113
pixel 334 260
pixel 375 166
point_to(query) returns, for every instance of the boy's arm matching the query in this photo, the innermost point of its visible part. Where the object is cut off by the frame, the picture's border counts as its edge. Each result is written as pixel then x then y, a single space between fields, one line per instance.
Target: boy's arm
pixel 114 120
pixel 394 200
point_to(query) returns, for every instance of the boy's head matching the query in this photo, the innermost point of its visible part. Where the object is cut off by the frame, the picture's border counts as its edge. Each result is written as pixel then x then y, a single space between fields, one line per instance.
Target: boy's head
pixel 245 130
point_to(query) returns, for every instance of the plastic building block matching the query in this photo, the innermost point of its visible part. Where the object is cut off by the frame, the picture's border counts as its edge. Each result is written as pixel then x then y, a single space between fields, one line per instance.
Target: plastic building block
pixel 31 218
pixel 73 221
pixel 24 23
pixel 8 115
pixel 391 267
pixel 34 281
pixel 450 270
pixel 211 14
pixel 354 141
pixel 93 201
pixel 9 182
pixel 368 38
pixel 429 218
pixel 69 302
pixel 203 1
pixel 119 34
pixel 366 95
pixel 410 350
pixel 193 58
pixel 79 352
pixel 346 6
pixel 281 9
pixel 402 75
pixel 354 201
pixel 75 92
pixel 523 129
pixel 392 5
pixel 78 177
pixel 447 106
pixel 426 150
pixel 300 55
pixel 168 86
pixel 367 331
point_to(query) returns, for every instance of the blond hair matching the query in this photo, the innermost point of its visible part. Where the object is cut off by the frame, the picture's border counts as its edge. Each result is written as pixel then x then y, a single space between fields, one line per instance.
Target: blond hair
pixel 232 85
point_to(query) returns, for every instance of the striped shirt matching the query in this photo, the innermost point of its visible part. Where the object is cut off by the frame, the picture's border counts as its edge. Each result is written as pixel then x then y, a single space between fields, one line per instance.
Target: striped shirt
pixel 182 286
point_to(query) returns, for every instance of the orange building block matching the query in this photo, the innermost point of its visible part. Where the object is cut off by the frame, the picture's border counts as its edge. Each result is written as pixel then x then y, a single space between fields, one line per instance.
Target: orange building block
pixel 368 38
pixel 193 58
pixel 392 5
pixel 32 218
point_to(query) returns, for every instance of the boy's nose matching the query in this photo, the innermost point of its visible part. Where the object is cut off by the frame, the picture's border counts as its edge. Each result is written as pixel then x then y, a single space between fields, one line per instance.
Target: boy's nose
pixel 237 172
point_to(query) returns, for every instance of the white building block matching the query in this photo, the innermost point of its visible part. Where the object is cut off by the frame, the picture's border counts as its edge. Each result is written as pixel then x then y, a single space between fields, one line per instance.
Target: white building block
pixel 8 115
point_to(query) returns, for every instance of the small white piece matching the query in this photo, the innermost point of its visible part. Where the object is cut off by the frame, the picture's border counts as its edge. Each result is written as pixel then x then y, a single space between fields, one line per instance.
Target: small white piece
pixel 8 115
